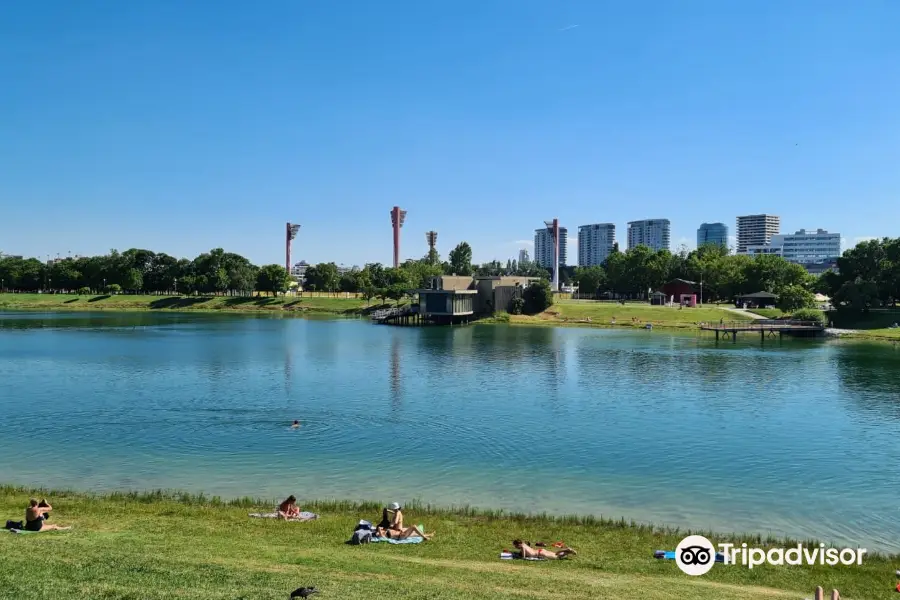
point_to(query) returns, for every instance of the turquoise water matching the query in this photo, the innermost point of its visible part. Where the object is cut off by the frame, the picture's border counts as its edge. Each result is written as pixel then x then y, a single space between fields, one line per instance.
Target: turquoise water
pixel 799 438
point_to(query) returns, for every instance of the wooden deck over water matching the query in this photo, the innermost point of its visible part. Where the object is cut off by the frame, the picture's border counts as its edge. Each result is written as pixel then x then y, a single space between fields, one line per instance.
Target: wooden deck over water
pixel 765 327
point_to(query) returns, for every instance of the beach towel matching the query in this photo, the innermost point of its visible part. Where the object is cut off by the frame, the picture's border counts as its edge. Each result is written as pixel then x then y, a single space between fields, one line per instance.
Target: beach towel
pixel 409 540
pixel 517 556
pixel 26 532
pixel 304 516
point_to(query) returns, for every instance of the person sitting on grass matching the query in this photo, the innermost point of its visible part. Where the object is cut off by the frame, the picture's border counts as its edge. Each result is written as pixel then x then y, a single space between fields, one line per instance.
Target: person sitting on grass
pixel 392 527
pixel 289 509
pixel 35 515
pixel 528 552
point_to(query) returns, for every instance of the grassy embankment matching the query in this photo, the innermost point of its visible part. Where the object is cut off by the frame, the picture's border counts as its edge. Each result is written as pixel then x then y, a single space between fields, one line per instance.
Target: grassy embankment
pixel 59 302
pixel 874 325
pixel 630 314
pixel 563 312
pixel 156 546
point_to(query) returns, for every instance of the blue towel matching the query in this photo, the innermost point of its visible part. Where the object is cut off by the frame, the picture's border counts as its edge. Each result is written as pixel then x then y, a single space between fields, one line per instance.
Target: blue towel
pixel 409 540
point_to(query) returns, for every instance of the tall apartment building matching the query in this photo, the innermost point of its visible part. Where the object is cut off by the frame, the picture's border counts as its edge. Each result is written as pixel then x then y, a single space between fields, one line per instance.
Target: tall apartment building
pixel 524 258
pixel 543 247
pixel 756 230
pixel 653 233
pixel 712 233
pixel 595 242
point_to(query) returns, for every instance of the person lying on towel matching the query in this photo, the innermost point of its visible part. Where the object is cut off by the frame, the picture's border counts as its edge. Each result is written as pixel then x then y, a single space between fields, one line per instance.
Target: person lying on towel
pixel 392 526
pixel 35 515
pixel 529 552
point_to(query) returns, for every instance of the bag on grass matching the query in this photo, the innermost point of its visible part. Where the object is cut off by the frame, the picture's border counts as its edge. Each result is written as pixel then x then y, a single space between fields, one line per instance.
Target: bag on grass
pixel 360 536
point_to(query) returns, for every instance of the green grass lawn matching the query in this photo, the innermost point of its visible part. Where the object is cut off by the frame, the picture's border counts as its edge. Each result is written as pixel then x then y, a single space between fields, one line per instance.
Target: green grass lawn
pixel 335 305
pixel 631 314
pixel 159 547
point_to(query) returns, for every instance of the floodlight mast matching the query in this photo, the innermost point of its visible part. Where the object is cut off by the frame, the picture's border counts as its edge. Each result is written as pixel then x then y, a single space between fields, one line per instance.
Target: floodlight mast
pixel 290 234
pixel 398 216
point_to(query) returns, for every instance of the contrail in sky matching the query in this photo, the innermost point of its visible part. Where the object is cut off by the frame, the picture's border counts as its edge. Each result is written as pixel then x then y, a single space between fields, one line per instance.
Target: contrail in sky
pixel 568 28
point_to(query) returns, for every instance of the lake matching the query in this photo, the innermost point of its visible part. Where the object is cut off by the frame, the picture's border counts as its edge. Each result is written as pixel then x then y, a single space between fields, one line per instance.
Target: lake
pixel 798 438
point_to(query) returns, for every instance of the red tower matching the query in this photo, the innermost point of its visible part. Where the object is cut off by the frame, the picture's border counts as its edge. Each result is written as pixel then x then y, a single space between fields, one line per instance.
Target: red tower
pixel 553 228
pixel 397 218
pixel 290 233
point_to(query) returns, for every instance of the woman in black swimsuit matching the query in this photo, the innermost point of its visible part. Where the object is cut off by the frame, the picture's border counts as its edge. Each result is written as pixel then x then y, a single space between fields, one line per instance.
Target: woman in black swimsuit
pixel 34 517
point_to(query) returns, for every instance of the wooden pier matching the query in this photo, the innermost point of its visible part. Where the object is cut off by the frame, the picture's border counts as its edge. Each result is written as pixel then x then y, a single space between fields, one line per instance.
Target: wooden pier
pixel 404 315
pixel 765 327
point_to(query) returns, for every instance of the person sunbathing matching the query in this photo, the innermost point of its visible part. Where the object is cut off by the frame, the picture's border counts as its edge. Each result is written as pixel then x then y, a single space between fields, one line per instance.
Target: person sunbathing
pixel 289 509
pixel 35 516
pixel 392 526
pixel 529 552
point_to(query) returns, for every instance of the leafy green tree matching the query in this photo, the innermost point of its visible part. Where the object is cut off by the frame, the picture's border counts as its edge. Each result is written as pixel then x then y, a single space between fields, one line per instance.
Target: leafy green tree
pixel 860 295
pixel 241 274
pixel 460 259
pixel 418 273
pixel 133 280
pixel 795 297
pixel 65 275
pixel 433 257
pixel 589 279
pixel 273 279
pixel 809 314
pixel 538 297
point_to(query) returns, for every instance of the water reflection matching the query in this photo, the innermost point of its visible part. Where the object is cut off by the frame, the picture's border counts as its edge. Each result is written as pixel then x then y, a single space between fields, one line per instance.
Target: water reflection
pixel 395 376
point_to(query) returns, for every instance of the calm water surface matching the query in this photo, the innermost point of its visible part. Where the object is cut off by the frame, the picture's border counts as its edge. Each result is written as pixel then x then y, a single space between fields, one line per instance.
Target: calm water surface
pixel 798 438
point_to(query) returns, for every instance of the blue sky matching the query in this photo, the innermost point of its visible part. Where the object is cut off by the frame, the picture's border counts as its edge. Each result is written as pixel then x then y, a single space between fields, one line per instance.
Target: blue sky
pixel 182 126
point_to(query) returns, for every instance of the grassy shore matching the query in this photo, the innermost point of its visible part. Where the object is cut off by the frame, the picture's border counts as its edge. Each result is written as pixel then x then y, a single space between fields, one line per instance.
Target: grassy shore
pixel 630 314
pixel 155 546
pixel 61 302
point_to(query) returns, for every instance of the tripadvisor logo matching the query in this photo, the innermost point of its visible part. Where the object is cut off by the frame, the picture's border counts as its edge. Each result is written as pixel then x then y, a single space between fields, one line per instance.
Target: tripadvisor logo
pixel 696 555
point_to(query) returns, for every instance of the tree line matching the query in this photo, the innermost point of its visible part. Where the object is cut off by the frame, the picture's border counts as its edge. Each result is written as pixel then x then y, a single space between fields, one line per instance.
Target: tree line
pixel 218 272
pixel 137 270
pixel 868 275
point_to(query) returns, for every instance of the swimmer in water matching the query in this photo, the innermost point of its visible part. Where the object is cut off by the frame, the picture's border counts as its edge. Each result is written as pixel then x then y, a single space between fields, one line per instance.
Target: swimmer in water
pixel 296 424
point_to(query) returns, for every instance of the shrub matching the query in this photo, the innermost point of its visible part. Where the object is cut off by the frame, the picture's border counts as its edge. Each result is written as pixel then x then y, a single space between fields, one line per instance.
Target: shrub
pixel 809 314
pixel 517 306
pixel 114 288
pixel 795 297
pixel 84 291
pixel 538 297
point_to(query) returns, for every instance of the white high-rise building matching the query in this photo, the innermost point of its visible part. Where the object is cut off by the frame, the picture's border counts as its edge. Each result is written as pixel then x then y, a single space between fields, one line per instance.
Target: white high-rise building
pixel 298 271
pixel 756 230
pixel 543 247
pixel 595 242
pixel 808 247
pixel 524 258
pixel 653 233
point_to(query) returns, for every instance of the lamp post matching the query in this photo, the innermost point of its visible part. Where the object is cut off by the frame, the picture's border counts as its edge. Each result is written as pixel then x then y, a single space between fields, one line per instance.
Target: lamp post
pixel 701 286
pixel 104 284
pixel 175 286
